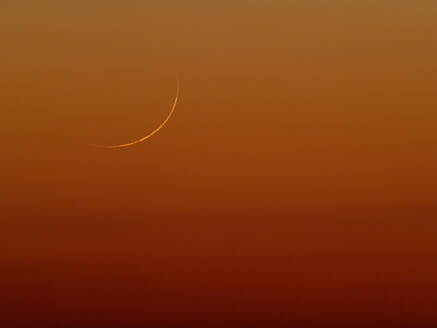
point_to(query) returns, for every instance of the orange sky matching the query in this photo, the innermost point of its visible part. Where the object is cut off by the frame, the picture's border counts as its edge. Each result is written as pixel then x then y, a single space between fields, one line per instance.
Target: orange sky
pixel 298 168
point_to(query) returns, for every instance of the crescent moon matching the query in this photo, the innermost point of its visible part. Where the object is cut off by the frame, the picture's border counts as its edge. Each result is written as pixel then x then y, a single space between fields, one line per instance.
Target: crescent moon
pixel 173 107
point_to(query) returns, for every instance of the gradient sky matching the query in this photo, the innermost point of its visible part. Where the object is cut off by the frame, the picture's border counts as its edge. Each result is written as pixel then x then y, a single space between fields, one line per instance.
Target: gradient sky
pixel 295 183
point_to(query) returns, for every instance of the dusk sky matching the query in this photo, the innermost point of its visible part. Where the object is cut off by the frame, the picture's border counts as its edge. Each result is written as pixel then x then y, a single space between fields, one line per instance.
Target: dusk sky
pixel 294 186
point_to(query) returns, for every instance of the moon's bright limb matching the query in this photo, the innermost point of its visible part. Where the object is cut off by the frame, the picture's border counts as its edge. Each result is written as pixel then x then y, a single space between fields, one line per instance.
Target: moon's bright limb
pixel 154 131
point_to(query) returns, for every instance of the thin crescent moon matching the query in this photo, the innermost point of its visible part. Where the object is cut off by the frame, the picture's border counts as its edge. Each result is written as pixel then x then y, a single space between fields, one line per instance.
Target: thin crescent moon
pixel 173 107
